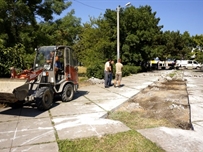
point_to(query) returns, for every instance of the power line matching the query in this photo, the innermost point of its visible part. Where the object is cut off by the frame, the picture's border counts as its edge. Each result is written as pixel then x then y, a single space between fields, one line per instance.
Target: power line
pixel 89 5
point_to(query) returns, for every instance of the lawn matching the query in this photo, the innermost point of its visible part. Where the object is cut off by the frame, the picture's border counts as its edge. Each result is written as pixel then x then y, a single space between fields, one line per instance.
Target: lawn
pixel 130 141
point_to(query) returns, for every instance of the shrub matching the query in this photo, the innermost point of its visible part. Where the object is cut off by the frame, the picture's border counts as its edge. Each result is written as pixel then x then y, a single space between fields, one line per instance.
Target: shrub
pixel 129 69
pixel 96 71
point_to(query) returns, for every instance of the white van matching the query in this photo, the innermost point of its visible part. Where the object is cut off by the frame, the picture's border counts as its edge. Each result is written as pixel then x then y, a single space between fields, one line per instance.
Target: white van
pixel 188 64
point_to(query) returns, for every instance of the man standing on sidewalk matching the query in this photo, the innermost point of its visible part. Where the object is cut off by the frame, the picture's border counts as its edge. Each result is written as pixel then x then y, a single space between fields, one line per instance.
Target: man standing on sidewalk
pixel 118 75
pixel 111 73
pixel 107 69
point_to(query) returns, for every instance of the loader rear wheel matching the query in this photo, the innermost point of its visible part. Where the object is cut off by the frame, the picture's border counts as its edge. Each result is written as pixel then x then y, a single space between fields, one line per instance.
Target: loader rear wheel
pixel 67 93
pixel 44 98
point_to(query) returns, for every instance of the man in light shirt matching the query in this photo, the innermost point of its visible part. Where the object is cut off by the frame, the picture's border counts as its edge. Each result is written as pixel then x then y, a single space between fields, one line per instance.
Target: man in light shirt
pixel 107 69
pixel 118 75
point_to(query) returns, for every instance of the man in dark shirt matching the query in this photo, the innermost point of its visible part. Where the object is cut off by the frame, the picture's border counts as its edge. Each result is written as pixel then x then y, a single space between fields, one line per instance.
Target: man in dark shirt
pixel 111 73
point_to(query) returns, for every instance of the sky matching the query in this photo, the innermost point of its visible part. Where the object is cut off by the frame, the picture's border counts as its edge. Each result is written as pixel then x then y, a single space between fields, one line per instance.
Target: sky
pixel 175 15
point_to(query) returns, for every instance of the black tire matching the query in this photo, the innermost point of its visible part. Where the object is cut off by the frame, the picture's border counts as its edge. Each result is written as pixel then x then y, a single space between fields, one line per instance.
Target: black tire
pixel 68 92
pixel 44 98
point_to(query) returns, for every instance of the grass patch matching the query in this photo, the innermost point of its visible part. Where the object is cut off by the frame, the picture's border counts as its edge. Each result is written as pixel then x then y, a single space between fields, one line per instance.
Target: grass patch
pixel 173 74
pixel 81 79
pixel 138 120
pixel 82 69
pixel 130 141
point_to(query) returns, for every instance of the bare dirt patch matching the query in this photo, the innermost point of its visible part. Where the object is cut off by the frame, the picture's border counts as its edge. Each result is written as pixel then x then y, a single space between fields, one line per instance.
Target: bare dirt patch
pixel 166 100
pixel 84 83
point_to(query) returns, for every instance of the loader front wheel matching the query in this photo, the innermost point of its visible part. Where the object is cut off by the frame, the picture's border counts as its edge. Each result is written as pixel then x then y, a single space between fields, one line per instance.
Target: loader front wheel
pixel 44 98
pixel 67 93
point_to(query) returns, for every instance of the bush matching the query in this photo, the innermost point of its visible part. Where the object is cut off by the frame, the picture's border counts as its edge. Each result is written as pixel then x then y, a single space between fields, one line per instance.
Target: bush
pixel 96 71
pixel 129 69
pixel 11 56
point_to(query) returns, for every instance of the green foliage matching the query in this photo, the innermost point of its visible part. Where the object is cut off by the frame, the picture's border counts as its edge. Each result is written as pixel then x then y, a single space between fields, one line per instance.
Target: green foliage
pixel 96 71
pixel 129 69
pixel 20 33
pixel 61 32
pixel 141 38
pixel 199 57
pixel 198 45
pixel 94 45
pixel 11 56
pixel 18 19
pixel 198 40
pixel 138 33
pixel 176 45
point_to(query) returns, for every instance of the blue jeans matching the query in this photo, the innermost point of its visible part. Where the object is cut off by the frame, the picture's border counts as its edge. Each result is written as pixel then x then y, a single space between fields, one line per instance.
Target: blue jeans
pixel 106 78
pixel 110 78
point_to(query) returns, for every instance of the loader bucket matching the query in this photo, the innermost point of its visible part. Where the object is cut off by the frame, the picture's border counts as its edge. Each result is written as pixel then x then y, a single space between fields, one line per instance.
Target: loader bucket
pixel 12 90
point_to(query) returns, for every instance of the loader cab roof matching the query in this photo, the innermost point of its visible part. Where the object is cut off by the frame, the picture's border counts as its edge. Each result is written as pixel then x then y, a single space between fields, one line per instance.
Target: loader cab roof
pixel 44 54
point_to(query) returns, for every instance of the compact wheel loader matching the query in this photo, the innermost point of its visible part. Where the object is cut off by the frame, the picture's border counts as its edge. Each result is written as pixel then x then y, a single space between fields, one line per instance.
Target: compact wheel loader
pixel 38 86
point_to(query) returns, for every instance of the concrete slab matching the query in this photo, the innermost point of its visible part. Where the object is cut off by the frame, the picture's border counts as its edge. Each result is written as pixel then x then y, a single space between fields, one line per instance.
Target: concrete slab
pixel 174 140
pixel 196 112
pixel 30 113
pixel 33 131
pixel 49 147
pixel 110 105
pixel 5 150
pixel 7 133
pixel 198 127
pixel 126 92
pixel 86 125
pixel 103 96
pixel 9 114
pixel 75 108
pixel 195 81
pixel 97 88
pixel 79 98
pixel 195 99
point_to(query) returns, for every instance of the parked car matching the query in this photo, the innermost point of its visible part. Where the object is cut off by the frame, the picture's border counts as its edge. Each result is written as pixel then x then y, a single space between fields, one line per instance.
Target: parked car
pixel 187 64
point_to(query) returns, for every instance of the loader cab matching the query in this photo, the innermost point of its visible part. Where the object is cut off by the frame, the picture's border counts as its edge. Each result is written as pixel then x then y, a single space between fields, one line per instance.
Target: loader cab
pixel 46 60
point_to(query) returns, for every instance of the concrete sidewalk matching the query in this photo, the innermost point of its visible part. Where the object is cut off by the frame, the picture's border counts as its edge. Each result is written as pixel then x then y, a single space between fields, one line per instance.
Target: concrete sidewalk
pixel 28 129
pixel 176 140
pixel 31 130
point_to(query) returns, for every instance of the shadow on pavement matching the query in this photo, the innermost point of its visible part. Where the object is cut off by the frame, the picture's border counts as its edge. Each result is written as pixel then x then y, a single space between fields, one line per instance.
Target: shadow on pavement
pixel 201 70
pixel 32 111
pixel 26 111
pixel 79 94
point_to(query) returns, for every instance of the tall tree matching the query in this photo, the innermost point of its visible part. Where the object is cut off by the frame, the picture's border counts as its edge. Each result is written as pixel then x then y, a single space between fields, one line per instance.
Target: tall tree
pixel 18 18
pixel 198 47
pixel 19 29
pixel 139 34
pixel 139 31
